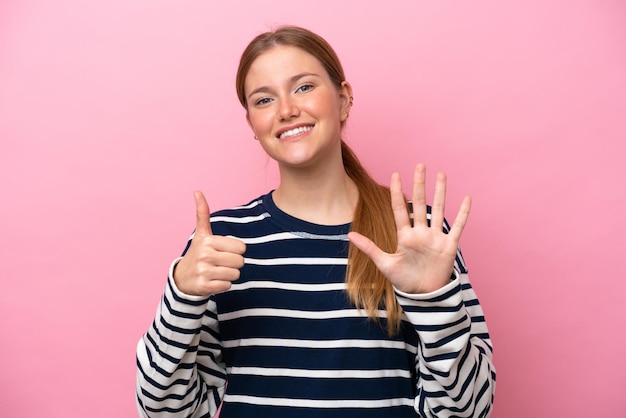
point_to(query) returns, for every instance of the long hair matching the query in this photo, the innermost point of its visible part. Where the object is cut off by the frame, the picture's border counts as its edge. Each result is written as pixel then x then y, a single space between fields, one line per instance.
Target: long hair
pixel 367 288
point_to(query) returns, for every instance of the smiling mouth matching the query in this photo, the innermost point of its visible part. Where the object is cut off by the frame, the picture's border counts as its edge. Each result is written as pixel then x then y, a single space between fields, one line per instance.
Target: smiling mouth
pixel 295 131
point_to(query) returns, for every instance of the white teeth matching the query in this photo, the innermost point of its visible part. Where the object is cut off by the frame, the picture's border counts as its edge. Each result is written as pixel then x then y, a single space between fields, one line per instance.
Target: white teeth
pixel 295 131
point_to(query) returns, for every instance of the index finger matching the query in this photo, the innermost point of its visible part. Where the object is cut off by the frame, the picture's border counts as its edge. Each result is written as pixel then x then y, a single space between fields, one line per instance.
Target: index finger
pixel 398 202
pixel 203 217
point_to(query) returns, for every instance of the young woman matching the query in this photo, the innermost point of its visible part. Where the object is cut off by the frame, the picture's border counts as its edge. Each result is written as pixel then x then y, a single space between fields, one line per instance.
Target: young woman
pixel 330 296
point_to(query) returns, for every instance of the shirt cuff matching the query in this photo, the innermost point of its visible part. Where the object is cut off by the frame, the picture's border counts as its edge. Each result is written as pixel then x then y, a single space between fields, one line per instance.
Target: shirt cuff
pixel 180 295
pixel 454 282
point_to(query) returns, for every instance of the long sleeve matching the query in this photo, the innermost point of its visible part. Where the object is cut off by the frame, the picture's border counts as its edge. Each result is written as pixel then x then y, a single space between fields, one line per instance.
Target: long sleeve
pixel 179 366
pixel 455 373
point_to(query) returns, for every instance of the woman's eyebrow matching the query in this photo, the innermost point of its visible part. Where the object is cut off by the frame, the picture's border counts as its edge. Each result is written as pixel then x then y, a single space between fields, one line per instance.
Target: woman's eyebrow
pixel 301 75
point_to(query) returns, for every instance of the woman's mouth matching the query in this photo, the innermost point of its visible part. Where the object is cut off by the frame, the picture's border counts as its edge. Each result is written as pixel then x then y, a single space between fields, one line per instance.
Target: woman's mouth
pixel 296 131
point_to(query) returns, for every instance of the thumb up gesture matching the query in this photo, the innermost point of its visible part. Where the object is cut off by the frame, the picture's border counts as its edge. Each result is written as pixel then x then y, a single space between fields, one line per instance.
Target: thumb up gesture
pixel 212 262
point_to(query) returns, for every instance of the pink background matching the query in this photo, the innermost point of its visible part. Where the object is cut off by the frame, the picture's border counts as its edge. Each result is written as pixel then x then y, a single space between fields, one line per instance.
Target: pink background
pixel 113 112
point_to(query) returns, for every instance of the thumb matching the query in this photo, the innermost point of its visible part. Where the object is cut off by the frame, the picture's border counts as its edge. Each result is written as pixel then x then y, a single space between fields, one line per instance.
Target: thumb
pixel 367 246
pixel 203 217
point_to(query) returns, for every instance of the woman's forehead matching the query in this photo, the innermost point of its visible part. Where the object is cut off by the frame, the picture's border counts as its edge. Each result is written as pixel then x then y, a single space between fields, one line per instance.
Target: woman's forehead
pixel 281 64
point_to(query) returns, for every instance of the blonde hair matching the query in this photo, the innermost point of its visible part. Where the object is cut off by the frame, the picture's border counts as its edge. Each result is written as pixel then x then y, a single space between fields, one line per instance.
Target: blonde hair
pixel 367 287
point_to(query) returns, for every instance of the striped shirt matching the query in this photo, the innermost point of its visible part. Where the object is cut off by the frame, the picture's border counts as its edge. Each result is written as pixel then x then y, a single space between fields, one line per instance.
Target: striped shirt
pixel 285 340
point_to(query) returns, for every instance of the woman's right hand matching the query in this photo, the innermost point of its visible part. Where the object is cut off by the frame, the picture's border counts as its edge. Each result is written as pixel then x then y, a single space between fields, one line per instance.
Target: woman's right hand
pixel 212 262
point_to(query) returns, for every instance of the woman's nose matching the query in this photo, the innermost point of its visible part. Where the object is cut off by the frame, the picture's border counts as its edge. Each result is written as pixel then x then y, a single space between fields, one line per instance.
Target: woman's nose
pixel 287 108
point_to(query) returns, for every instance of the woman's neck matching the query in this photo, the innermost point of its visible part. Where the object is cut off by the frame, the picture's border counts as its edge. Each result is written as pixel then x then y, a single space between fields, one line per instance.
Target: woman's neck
pixel 325 196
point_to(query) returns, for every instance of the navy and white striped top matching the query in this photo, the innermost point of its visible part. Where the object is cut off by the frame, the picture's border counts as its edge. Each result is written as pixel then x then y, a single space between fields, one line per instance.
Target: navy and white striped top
pixel 285 340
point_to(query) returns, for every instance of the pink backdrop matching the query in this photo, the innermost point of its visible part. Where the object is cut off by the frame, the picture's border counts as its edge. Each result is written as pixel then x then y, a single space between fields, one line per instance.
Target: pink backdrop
pixel 113 112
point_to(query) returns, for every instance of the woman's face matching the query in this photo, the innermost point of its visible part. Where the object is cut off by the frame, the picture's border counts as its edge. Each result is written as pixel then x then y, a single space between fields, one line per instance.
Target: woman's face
pixel 294 109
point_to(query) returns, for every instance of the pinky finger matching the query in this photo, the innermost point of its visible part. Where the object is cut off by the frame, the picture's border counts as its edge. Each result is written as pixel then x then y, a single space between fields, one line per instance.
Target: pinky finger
pixel 461 218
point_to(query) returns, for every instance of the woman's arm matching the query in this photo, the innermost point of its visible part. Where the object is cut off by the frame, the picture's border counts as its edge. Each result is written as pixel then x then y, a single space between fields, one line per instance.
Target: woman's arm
pixel 179 360
pixel 454 368
pixel 179 366
pixel 455 375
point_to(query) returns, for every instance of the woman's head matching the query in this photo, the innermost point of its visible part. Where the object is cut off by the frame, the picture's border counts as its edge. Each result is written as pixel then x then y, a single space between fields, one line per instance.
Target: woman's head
pixel 289 36
pixel 292 87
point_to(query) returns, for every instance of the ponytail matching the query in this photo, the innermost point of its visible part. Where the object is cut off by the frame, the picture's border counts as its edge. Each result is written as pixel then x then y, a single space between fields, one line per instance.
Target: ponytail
pixel 367 287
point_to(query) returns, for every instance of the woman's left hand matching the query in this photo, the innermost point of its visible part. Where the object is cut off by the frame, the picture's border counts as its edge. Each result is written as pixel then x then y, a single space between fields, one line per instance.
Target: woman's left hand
pixel 424 259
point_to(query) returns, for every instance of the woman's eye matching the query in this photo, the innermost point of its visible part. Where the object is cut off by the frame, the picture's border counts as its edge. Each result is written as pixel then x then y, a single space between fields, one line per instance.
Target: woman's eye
pixel 304 88
pixel 262 101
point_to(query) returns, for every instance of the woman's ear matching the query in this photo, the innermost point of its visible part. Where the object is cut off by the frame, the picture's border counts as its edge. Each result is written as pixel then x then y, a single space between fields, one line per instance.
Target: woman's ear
pixel 345 96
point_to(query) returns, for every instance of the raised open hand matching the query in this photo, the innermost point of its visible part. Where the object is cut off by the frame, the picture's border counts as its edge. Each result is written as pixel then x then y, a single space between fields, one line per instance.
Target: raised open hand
pixel 424 259
pixel 212 262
